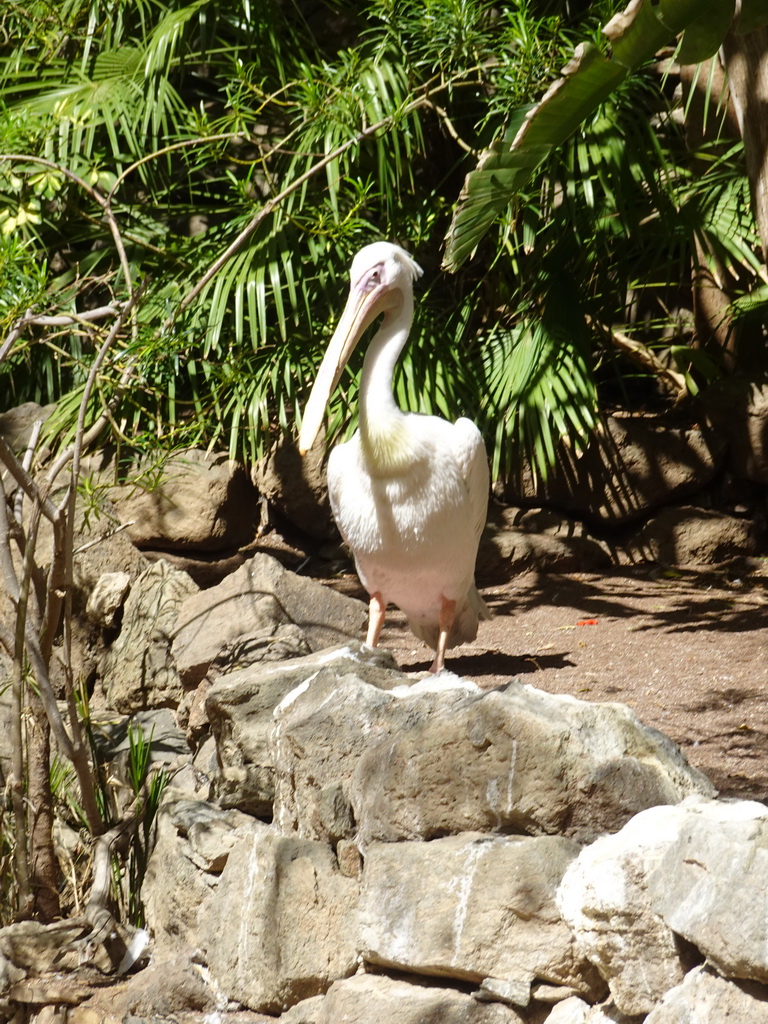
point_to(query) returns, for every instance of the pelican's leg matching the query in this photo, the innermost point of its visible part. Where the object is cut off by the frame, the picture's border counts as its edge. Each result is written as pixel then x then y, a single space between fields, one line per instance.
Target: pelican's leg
pixel 376 612
pixel 447 615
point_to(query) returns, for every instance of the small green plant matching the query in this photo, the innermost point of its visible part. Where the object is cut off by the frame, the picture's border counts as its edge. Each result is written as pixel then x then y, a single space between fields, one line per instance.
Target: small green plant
pixel 148 787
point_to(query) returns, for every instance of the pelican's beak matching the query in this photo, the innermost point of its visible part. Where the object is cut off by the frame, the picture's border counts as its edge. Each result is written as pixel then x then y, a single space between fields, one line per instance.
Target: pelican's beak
pixel 361 310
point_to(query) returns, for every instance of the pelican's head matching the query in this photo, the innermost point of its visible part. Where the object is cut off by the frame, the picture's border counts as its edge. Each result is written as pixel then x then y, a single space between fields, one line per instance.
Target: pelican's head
pixel 380 279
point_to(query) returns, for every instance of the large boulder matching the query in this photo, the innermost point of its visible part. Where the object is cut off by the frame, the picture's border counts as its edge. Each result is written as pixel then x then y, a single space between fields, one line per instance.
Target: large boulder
pixel 193 842
pixel 516 540
pixel 706 998
pixel 436 757
pixel 295 486
pixel 241 705
pixel 692 887
pixel 255 601
pixel 375 999
pixel 472 907
pixel 283 925
pixel 139 670
pixel 689 536
pixel 634 465
pixel 194 501
pixel 668 874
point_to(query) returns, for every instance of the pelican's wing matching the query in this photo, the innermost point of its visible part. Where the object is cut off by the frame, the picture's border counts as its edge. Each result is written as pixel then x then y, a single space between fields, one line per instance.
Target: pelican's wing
pixel 469 452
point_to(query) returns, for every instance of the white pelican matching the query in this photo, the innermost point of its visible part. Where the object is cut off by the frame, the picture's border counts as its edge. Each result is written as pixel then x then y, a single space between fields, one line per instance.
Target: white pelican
pixel 409 492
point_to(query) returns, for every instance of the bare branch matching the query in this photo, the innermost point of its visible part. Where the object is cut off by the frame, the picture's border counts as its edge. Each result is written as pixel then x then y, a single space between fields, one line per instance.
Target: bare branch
pixel 648 360
pixel 26 463
pixel 65 319
pixel 275 201
pixel 83 440
pixel 12 338
pixel 25 481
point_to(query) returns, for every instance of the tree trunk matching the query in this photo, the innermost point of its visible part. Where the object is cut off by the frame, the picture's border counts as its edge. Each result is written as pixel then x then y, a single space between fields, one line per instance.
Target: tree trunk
pixel 710 296
pixel 746 61
pixel 43 865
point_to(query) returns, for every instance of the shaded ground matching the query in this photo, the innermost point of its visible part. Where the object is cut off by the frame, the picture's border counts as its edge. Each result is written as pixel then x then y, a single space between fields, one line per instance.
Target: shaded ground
pixel 688 652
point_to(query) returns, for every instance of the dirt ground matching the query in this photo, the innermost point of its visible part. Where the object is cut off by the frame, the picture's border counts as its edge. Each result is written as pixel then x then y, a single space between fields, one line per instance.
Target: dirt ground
pixel 687 651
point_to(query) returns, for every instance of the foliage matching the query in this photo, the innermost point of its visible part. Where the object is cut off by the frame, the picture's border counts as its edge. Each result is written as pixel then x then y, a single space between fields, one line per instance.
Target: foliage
pixel 286 135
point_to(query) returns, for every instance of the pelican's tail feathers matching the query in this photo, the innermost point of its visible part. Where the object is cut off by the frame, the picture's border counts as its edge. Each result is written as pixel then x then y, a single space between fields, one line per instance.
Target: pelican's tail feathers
pixel 468 613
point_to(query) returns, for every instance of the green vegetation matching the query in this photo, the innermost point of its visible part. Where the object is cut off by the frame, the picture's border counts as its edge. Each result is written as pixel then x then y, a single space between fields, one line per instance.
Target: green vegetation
pixel 143 140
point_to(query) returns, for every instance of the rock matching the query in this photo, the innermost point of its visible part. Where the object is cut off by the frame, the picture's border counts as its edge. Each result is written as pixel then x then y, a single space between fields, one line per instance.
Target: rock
pixel 255 600
pixel 739 410
pixel 692 887
pixel 516 540
pixel 576 1011
pixel 32 947
pixel 603 899
pixel 705 998
pixel 570 1011
pixel 139 671
pixel 296 487
pixel 637 464
pixel 283 925
pixel 106 598
pixel 100 546
pixel 439 757
pixel 112 740
pixel 666 874
pixel 194 841
pixel 241 706
pixel 471 907
pixel 16 424
pixel 687 536
pixel 371 999
pixel 196 501
pixel 286 642
pixel 167 988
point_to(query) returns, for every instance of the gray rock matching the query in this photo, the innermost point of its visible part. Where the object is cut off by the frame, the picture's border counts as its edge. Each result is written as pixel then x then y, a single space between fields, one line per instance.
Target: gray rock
pixel 107 597
pixel 371 999
pixel 16 424
pixel 635 465
pixel 576 1011
pixel 687 536
pixel 193 842
pixel 283 925
pixel 296 487
pixel 113 734
pixel 240 707
pixel 669 873
pixel 32 947
pixel 516 540
pixel 256 599
pixel 439 756
pixel 705 998
pixel 692 888
pixel 603 899
pixel 195 500
pixel 473 907
pixel 166 989
pixel 139 670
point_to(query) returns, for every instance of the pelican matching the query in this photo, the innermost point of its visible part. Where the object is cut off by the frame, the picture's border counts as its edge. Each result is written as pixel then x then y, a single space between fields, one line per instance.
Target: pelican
pixel 409 492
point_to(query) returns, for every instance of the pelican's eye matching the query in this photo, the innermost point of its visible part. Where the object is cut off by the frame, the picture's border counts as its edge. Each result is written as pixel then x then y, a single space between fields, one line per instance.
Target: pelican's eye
pixel 371 279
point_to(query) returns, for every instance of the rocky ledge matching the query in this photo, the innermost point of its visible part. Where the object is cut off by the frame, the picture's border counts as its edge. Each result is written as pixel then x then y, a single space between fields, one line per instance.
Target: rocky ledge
pixel 342 842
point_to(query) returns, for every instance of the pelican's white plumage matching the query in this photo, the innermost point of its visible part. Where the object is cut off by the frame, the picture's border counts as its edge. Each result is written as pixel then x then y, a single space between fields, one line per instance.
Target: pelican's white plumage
pixel 409 492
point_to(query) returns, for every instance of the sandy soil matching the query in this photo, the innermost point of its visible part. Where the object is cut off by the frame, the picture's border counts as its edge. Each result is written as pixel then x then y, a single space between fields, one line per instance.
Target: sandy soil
pixel 687 651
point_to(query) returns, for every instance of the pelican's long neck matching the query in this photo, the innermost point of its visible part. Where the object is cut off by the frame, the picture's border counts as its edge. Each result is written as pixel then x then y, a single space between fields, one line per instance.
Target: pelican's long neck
pixel 382 422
